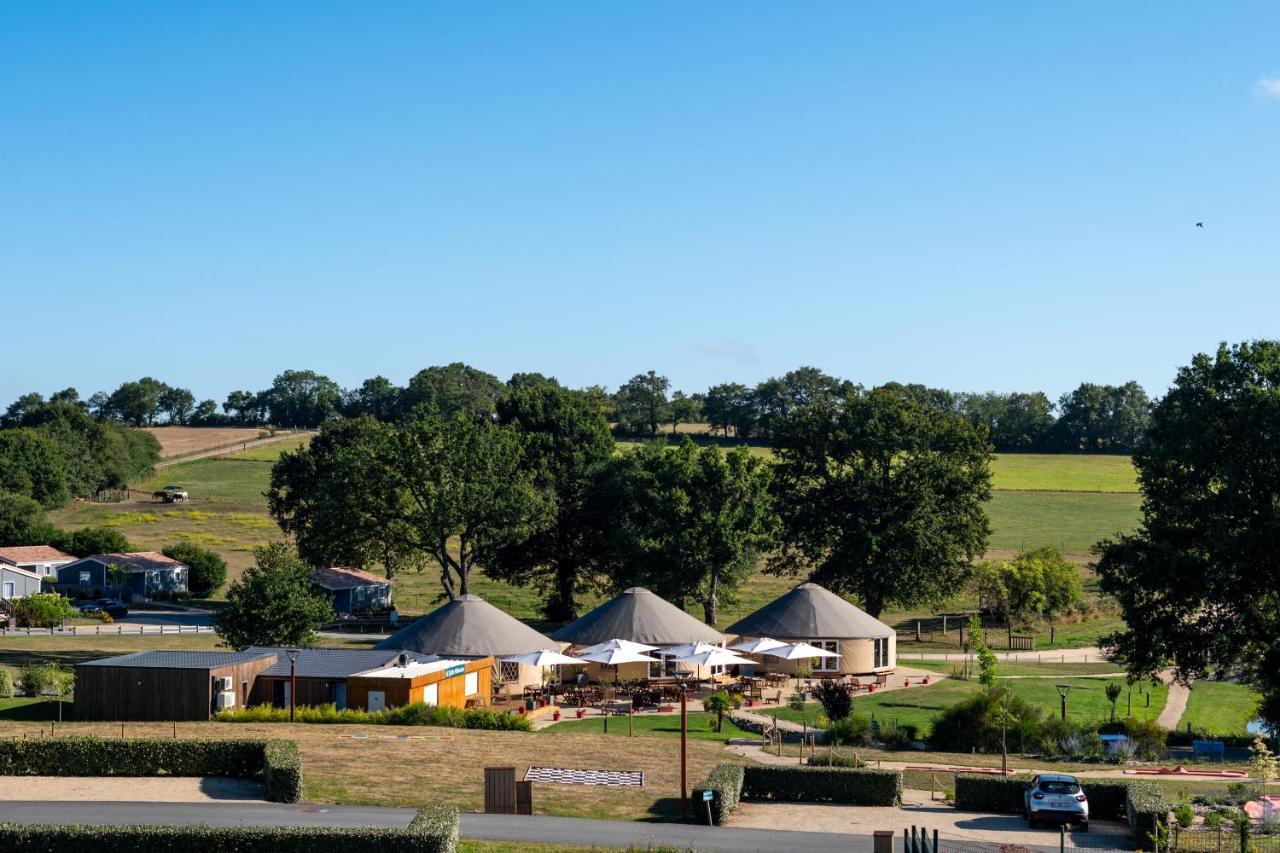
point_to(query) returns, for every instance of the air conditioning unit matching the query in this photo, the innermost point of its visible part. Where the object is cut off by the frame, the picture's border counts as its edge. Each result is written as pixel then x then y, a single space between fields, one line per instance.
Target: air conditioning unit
pixel 224 701
pixel 224 683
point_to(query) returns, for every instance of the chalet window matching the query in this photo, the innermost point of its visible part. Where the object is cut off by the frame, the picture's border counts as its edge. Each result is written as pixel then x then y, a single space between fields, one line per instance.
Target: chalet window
pixel 825 664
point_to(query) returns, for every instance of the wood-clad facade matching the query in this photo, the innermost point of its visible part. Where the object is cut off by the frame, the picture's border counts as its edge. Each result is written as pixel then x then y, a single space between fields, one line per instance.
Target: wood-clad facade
pixel 119 693
pixel 451 687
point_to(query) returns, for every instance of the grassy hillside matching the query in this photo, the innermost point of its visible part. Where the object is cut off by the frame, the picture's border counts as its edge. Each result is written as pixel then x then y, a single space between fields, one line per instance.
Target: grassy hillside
pixel 1053 505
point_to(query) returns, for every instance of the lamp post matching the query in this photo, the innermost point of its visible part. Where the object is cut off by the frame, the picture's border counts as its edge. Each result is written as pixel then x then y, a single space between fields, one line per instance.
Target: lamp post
pixel 293 682
pixel 684 749
pixel 1063 690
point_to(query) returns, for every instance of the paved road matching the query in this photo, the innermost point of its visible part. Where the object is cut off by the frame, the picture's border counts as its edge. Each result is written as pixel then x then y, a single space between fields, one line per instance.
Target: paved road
pixel 538 829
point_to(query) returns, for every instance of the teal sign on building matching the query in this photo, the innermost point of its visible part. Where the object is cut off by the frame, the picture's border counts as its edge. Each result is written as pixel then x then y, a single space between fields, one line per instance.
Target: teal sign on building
pixel 455 670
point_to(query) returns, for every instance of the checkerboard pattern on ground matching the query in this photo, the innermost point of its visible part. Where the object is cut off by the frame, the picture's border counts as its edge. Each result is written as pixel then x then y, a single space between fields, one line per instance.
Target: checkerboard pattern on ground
pixel 609 778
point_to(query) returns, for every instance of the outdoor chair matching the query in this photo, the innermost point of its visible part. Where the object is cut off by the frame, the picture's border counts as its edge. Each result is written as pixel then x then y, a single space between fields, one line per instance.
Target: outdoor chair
pixel 775 699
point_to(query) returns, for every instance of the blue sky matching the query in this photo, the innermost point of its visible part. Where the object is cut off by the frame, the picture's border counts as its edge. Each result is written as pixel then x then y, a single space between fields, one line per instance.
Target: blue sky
pixel 996 196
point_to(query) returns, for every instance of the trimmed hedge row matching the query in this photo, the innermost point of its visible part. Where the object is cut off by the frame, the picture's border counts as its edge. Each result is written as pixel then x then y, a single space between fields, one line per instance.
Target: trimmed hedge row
pixel 1147 809
pixel 276 762
pixel 863 787
pixel 983 792
pixel 433 830
pixel 725 784
pixel 1141 803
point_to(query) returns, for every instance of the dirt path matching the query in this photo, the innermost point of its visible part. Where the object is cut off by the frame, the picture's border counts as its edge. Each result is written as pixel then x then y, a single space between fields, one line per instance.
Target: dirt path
pixel 159 789
pixel 1175 703
pixel 238 447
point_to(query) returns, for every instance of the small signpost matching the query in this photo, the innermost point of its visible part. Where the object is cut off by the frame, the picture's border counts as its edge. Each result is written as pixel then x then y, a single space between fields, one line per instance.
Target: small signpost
pixel 707 797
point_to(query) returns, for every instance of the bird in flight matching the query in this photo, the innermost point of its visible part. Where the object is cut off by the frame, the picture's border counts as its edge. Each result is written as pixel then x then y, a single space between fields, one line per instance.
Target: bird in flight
pixel 1199 224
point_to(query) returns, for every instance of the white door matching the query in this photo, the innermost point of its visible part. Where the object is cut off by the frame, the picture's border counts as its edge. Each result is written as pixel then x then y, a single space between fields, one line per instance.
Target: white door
pixel 377 700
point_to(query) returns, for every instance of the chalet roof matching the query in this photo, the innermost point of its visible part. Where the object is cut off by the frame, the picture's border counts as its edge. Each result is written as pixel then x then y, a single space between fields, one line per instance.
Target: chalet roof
pixel 158 659
pixel 466 627
pixel 810 612
pixel 638 615
pixel 33 554
pixel 137 561
pixel 329 663
pixel 18 570
pixel 345 577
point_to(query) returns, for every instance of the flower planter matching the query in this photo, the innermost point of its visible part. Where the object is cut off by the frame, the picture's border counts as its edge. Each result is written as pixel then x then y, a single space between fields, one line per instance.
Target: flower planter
pixel 665 709
pixel 556 716
pixel 582 712
pixel 871 688
pixel 924 680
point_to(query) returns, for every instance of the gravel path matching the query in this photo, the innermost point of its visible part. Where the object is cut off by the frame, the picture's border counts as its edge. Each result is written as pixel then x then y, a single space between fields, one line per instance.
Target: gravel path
pixel 1175 702
pixel 160 789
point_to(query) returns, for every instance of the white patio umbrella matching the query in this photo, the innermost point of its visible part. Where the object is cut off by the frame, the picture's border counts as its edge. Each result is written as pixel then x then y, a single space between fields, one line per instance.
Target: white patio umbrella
pixel 760 645
pixel 687 649
pixel 715 657
pixel 613 657
pixel 543 658
pixel 622 645
pixel 799 651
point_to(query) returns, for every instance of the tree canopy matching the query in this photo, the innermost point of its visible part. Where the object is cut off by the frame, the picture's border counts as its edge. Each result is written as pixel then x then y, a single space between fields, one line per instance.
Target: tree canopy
pixel 273 603
pixel 1199 583
pixel 881 497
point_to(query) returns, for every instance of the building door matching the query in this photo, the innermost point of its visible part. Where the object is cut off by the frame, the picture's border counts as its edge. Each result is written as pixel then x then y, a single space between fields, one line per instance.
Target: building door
pixel 377 700
pixel 340 695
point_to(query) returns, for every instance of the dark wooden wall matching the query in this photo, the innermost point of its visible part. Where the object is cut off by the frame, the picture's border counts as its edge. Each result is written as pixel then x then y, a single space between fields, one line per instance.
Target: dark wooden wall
pixel 152 693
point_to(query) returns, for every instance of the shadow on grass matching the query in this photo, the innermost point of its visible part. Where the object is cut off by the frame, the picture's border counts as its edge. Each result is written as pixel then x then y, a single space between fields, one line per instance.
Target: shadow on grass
pixel 34 710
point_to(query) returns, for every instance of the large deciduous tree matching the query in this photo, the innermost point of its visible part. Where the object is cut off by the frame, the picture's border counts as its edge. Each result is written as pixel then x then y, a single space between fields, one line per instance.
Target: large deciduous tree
pixel 302 398
pixel 567 444
pixel 881 497
pixel 273 603
pixel 641 404
pixel 1199 583
pixel 451 488
pixel 689 522
pixel 453 389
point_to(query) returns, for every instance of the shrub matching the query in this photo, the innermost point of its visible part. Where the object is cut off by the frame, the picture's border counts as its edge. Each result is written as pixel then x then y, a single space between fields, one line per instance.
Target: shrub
pixel 1213 820
pixel 835 697
pixel 1184 815
pixel 851 730
pixel 720 702
pixel 985 792
pixel 41 678
pixel 207 570
pixel 6 684
pixel 417 714
pixel 1147 811
pixel 42 610
pixel 1107 797
pixel 1147 736
pixel 725 783
pixel 835 759
pixel 277 762
pixel 898 736
pixel 433 830
pixel 88 541
pixel 974 723
pixel 864 787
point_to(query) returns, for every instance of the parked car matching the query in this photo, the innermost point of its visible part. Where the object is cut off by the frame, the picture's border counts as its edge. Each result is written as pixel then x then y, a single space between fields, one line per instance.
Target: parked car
pixel 1056 797
pixel 113 607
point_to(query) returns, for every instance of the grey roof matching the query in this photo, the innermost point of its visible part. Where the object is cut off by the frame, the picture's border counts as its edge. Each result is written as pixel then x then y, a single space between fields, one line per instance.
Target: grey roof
pixel 467 627
pixel 810 612
pixel 328 663
pixel 638 615
pixel 157 659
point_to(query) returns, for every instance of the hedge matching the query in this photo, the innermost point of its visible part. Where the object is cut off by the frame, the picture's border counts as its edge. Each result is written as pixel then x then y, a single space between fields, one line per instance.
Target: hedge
pixel 433 830
pixel 416 714
pixel 864 787
pixel 276 762
pixel 1147 809
pixel 725 784
pixel 986 792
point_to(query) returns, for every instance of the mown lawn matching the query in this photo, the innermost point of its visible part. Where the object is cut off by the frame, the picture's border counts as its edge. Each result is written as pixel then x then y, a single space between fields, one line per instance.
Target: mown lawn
pixel 33 709
pixel 701 727
pixel 1063 472
pixel 1072 521
pixel 1220 707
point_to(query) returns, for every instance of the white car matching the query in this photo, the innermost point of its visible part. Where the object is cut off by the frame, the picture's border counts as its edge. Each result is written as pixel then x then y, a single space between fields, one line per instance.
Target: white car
pixel 1056 797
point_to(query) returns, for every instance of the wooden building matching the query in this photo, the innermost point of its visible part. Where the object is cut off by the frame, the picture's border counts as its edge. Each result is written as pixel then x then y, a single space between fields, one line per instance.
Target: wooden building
pixel 452 683
pixel 321 675
pixel 159 685
pixel 353 591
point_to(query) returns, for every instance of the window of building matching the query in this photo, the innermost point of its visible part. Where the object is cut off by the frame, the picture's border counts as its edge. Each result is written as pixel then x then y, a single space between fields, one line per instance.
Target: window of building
pixel 85 579
pixel 510 671
pixel 10 590
pixel 471 684
pixel 825 664
pixel 664 667
pixel 880 652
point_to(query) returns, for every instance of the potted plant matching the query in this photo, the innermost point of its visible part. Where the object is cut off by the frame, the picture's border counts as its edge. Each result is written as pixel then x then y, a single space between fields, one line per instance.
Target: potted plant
pixel 582 712
pixel 556 715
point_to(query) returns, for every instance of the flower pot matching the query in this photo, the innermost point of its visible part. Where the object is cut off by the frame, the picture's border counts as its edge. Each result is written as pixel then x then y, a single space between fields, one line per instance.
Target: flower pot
pixel 582 712
pixel 871 688
pixel 924 680
pixel 556 716
pixel 521 710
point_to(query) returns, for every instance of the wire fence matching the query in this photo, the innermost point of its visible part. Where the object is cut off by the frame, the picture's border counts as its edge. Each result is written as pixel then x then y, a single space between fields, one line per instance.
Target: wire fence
pixel 1225 838
pixel 106 630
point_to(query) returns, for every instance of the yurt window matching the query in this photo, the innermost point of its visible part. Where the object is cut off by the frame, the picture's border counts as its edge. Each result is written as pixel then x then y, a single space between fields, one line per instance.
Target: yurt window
pixel 880 652
pixel 510 671
pixel 825 664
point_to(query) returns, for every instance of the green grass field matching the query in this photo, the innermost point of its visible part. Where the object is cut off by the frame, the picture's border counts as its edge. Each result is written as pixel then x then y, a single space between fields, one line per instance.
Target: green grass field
pixel 1220 708
pixel 918 706
pixel 1062 472
pixel 701 727
pixel 1073 521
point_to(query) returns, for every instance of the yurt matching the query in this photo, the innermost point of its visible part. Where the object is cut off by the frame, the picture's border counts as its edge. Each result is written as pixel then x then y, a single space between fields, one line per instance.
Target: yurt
pixel 638 615
pixel 814 615
pixel 470 627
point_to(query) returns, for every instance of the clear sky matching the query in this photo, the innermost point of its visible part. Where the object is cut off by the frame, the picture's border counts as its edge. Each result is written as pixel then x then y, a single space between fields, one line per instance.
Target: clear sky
pixel 977 196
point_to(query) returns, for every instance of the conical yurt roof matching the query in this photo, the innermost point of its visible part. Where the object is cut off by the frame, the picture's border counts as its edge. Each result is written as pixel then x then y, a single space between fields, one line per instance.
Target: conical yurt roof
pixel 468 626
pixel 637 614
pixel 808 612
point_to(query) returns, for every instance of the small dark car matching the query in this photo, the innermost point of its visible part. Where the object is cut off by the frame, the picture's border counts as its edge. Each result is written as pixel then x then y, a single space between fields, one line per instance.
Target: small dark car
pixel 113 607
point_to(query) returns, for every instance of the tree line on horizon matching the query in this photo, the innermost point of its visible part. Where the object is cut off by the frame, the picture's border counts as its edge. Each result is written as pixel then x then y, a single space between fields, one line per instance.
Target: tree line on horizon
pixel 1092 418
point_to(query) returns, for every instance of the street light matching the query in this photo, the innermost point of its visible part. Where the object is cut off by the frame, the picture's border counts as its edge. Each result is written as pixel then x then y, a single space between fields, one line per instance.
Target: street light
pixel 1063 690
pixel 293 682
pixel 684 749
